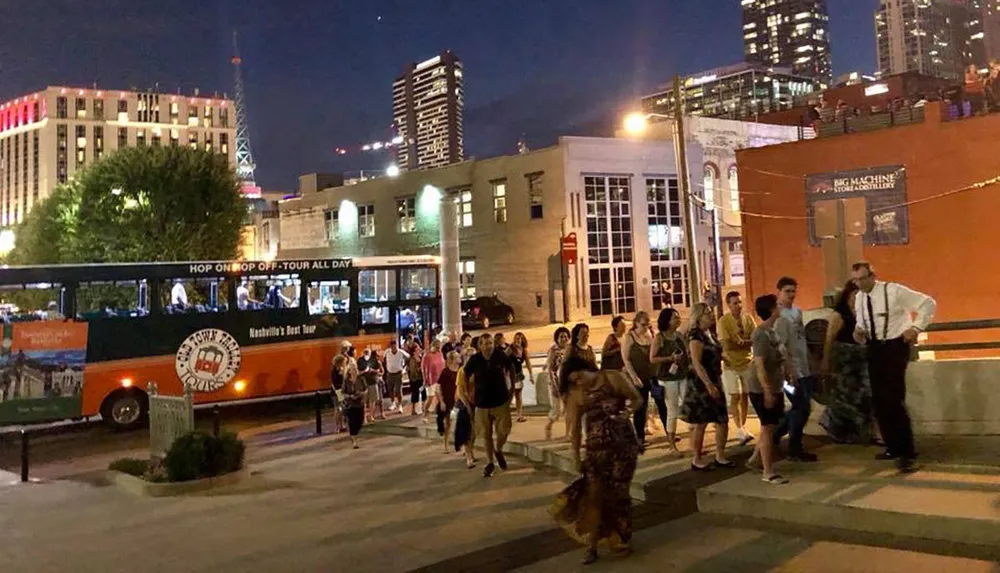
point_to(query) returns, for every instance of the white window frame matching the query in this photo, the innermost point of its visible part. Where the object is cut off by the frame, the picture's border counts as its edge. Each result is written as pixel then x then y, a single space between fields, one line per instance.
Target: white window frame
pixel 366 220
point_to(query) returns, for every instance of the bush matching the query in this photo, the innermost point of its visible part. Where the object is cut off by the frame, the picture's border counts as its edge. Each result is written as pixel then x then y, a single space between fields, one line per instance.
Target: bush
pixel 130 466
pixel 198 455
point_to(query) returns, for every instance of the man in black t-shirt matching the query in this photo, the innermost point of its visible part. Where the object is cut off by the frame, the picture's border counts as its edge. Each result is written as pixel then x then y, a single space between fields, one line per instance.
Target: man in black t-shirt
pixel 491 376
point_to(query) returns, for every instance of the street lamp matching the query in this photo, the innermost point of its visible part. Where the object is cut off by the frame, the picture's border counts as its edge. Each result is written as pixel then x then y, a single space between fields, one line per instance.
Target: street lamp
pixel 392 171
pixel 635 124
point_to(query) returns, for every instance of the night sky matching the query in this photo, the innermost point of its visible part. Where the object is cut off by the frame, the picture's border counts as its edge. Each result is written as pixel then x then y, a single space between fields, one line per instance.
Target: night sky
pixel 319 72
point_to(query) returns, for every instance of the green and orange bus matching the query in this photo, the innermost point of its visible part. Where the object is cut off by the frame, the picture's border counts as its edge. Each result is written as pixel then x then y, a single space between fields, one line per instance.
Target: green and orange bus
pixel 85 340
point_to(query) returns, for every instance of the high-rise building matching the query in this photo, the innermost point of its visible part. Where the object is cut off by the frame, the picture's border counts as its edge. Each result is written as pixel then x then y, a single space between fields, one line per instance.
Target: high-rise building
pixel 741 91
pixel 427 104
pixel 936 37
pixel 793 34
pixel 49 136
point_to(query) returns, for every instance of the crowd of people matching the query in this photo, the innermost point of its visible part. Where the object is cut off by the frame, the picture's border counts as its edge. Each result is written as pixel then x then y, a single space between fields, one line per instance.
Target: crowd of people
pixel 709 373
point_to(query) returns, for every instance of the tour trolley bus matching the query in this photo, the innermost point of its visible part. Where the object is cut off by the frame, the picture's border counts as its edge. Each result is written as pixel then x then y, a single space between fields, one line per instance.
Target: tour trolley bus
pixel 81 340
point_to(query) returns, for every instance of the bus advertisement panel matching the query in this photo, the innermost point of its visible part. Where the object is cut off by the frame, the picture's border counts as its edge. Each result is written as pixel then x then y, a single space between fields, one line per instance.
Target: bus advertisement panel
pixel 41 371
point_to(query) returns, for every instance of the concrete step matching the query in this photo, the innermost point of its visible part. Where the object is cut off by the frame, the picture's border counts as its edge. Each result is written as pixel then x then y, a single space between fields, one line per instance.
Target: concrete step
pixel 847 489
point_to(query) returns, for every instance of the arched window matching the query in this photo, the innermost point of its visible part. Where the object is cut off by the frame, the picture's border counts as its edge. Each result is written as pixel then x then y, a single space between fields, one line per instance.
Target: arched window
pixel 711 175
pixel 734 189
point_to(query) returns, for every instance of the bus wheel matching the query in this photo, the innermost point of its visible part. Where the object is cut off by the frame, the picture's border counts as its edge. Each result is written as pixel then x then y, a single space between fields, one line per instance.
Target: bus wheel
pixel 125 409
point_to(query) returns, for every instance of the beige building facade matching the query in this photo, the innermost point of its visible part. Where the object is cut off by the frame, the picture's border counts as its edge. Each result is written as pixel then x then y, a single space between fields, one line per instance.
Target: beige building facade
pixel 619 198
pixel 49 136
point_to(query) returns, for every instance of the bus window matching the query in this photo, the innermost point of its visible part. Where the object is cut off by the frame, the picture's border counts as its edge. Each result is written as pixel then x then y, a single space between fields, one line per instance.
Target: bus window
pixel 374 316
pixel 268 292
pixel 329 297
pixel 181 296
pixel 418 283
pixel 121 299
pixel 41 301
pixel 376 285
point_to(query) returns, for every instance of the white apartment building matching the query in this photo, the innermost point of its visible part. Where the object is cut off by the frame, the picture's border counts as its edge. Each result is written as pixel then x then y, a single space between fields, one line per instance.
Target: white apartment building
pixel 48 136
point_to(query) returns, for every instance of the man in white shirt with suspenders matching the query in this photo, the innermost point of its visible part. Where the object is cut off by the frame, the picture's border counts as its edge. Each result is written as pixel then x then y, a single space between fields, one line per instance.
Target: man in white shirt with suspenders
pixel 890 318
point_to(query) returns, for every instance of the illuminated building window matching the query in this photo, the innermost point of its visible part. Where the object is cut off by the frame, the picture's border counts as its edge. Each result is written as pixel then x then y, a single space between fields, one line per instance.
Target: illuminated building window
pixel 406 214
pixel 499 200
pixel 224 143
pixel 366 220
pixel 61 111
pixel 140 137
pixel 81 108
pixel 463 198
pixel 708 189
pixel 193 139
pixel 467 278
pixel 99 109
pixel 331 223
pixel 734 189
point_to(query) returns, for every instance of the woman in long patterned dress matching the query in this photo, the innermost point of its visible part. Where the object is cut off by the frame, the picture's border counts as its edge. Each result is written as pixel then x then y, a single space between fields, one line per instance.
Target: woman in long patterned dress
pixel 597 507
pixel 705 401
pixel 848 415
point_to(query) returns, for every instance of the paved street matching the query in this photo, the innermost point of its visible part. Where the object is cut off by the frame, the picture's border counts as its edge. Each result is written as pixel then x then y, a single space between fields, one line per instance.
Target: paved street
pixel 401 504
pixel 395 505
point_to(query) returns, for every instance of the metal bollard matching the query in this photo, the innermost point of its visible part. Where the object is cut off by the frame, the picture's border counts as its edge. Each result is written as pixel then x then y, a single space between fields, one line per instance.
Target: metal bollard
pixel 216 421
pixel 319 413
pixel 24 456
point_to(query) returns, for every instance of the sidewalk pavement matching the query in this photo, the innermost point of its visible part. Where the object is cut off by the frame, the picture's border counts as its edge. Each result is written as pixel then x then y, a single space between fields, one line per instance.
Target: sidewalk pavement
pixel 953 497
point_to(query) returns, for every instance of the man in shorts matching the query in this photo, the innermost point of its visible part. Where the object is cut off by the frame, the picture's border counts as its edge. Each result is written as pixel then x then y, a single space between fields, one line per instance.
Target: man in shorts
pixel 491 377
pixel 766 386
pixel 395 364
pixel 735 332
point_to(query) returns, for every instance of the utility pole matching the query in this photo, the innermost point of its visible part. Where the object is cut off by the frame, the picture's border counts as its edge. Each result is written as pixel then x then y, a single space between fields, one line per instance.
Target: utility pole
pixel 694 281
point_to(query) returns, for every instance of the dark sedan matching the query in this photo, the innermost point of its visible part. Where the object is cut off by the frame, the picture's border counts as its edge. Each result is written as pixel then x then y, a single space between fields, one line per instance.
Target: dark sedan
pixel 485 311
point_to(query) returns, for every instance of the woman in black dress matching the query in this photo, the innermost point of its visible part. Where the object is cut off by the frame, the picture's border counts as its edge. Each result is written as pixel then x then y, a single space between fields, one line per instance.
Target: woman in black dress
pixel 848 415
pixel 705 400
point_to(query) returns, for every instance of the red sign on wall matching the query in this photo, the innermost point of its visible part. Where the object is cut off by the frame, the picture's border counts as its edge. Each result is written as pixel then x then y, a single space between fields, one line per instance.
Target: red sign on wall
pixel 569 249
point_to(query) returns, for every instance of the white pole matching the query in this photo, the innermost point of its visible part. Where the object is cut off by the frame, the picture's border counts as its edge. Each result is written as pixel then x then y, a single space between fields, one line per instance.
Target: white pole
pixel 451 305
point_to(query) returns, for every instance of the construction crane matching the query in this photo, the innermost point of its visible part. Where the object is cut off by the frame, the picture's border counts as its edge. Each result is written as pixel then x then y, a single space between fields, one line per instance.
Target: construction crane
pixel 245 166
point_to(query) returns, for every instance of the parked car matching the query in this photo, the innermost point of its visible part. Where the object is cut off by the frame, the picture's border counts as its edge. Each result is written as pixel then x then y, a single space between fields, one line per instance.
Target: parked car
pixel 485 311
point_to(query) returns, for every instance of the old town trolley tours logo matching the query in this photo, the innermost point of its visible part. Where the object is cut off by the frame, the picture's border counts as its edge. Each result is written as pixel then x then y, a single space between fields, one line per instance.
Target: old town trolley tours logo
pixel 207 360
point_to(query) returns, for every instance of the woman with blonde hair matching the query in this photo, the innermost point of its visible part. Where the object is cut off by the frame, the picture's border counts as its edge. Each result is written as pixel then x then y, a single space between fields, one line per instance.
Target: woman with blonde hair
pixel 705 400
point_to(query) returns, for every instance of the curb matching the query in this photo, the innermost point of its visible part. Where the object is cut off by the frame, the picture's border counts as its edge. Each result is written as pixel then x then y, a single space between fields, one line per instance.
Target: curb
pixel 141 487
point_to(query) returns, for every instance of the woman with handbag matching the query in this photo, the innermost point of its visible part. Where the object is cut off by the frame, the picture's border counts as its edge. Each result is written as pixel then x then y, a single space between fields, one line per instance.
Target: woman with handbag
pixel 354 403
pixel 668 355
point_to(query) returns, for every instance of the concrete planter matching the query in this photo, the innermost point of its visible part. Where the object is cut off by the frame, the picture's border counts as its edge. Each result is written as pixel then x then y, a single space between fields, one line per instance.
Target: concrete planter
pixel 139 486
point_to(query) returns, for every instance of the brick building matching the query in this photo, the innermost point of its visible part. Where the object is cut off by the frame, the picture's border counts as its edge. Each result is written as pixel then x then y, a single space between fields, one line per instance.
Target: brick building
pixel 621 198
pixel 898 211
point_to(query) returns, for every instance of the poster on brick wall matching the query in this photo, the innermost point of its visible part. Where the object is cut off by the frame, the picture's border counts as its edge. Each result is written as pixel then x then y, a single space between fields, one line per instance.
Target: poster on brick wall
pixel 884 192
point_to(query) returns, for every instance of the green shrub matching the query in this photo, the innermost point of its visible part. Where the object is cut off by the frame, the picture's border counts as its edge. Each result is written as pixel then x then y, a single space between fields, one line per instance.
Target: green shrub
pixel 198 455
pixel 130 466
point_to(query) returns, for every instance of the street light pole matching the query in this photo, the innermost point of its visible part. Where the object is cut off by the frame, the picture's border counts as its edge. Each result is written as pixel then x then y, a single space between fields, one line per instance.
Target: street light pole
pixel 694 282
